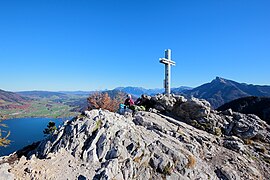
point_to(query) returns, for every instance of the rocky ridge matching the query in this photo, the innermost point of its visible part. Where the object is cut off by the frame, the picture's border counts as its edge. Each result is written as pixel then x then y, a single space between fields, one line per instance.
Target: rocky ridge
pixel 259 106
pixel 177 139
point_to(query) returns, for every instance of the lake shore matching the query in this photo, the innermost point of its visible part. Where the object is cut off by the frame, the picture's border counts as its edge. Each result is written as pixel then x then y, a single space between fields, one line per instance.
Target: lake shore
pixel 25 131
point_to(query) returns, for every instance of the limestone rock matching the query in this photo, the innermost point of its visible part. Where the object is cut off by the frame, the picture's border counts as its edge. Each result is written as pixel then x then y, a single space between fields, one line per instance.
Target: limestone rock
pixel 193 109
pixel 234 143
pixel 4 173
pixel 182 143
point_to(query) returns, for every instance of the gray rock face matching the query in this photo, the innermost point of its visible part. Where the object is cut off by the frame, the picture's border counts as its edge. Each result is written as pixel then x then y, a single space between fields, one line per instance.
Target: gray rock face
pixel 163 102
pixel 198 113
pixel 234 143
pixel 4 174
pixel 103 145
pixel 193 109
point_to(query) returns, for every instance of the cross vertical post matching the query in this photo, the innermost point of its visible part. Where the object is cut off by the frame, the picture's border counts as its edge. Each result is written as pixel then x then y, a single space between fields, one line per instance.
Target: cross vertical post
pixel 168 62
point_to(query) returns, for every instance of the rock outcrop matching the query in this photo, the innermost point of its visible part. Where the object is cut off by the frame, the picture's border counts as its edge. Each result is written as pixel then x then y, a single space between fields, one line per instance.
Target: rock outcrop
pixel 198 113
pixel 259 106
pixel 187 141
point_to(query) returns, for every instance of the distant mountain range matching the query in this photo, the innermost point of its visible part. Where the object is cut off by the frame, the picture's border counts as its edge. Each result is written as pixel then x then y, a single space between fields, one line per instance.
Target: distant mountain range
pixel 77 92
pixel 11 97
pixel 180 89
pixel 11 101
pixel 220 91
pixel 138 91
pixel 259 106
pixel 42 94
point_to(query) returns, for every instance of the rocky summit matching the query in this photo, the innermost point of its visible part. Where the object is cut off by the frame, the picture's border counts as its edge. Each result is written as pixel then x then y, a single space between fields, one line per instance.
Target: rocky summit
pixel 176 138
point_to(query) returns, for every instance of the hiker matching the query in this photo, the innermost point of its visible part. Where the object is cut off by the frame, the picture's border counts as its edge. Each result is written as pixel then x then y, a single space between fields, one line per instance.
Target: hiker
pixel 138 102
pixel 129 105
pixel 129 101
pixel 138 105
pixel 144 102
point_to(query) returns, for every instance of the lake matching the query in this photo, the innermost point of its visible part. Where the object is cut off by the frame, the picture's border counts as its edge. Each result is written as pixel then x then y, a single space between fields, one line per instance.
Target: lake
pixel 25 131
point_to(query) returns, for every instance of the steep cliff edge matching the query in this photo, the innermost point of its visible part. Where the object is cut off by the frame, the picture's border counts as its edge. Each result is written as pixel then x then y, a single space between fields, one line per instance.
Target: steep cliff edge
pixel 103 145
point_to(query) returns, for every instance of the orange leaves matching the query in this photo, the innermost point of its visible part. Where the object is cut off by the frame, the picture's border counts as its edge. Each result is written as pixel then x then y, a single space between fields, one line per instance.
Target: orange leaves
pixel 103 101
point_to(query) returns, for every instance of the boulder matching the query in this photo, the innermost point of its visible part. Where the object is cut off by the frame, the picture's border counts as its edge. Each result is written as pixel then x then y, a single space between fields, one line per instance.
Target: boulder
pixel 234 143
pixel 192 110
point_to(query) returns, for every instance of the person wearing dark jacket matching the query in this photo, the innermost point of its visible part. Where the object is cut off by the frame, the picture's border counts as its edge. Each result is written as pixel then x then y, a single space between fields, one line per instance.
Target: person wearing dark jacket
pixel 129 101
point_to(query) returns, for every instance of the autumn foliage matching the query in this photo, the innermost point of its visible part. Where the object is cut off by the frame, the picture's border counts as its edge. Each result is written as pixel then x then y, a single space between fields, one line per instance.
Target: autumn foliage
pixel 102 100
pixel 3 139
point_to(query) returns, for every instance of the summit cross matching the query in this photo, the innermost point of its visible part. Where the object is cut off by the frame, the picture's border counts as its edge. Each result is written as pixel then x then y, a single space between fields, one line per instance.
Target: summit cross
pixel 168 62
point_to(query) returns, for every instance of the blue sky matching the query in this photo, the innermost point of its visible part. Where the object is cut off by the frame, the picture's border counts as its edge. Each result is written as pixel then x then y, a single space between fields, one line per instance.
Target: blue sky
pixel 98 44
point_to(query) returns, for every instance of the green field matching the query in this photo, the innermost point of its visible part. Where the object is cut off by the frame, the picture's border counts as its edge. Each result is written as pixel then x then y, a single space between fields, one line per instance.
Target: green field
pixel 45 107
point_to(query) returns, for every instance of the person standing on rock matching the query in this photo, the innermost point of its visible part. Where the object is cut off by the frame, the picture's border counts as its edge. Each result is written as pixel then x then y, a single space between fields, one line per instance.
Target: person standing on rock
pixel 129 101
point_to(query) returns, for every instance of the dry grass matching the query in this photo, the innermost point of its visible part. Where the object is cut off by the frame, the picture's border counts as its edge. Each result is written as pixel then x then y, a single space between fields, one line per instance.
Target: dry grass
pixel 98 125
pixel 138 159
pixel 261 149
pixel 191 161
pixel 180 131
pixel 248 141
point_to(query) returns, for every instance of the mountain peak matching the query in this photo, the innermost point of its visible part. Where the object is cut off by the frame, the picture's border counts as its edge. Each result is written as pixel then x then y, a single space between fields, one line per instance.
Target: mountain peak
pixel 220 91
pixel 220 80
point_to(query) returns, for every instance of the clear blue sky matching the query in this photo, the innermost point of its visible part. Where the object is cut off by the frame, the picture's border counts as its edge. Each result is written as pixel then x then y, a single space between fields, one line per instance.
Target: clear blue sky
pixel 98 44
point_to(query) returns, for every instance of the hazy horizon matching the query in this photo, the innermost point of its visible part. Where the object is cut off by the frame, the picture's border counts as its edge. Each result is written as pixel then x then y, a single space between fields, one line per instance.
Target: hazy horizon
pixel 87 90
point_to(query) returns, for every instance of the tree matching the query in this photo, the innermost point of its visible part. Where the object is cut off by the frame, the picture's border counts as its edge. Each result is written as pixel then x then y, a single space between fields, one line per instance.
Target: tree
pixel 50 128
pixel 103 101
pixel 3 140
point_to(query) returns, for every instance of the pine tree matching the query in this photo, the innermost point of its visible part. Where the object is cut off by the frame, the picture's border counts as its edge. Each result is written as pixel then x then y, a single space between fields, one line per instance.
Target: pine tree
pixel 50 128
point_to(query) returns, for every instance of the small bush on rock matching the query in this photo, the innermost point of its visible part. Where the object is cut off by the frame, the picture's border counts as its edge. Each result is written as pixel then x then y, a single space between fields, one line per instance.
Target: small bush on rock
pixel 217 131
pixel 191 161
pixel 248 141
pixel 102 101
pixel 3 140
pixel 167 169
pixel 50 128
pixel 98 125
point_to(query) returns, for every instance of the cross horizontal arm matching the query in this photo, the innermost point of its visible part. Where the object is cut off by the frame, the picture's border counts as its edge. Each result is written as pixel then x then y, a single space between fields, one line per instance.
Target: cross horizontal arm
pixel 166 61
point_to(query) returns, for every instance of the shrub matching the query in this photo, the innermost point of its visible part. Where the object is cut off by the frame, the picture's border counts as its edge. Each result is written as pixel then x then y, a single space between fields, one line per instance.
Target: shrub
pixel 50 128
pixel 194 123
pixel 3 140
pixel 167 169
pixel 266 160
pixel 248 141
pixel 217 131
pixel 98 125
pixel 102 100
